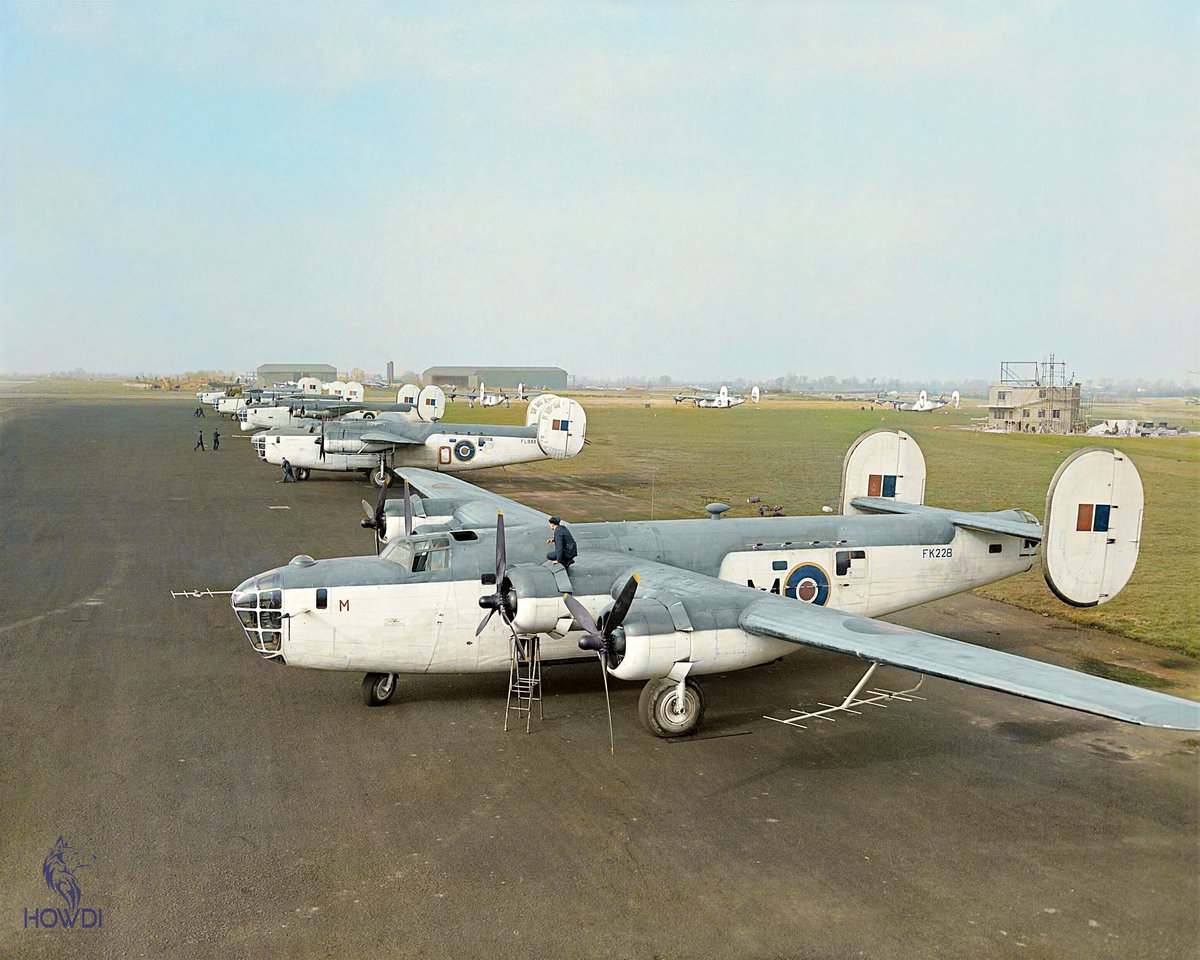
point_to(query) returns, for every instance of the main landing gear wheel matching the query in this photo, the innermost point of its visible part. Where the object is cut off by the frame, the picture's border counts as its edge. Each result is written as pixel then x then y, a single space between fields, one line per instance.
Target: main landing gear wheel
pixel 302 473
pixel 379 476
pixel 377 688
pixel 664 714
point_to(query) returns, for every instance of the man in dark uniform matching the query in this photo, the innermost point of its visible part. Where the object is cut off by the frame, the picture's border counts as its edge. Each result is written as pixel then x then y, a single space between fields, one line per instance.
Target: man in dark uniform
pixel 565 549
pixel 199 441
pixel 216 440
pixel 199 411
pixel 288 476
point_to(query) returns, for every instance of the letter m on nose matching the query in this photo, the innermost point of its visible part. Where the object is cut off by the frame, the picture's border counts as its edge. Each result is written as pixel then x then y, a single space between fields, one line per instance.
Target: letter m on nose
pixel 344 605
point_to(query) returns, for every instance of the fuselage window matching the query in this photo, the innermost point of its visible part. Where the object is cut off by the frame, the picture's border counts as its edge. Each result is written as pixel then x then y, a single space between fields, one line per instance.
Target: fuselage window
pixel 995 547
pixel 322 598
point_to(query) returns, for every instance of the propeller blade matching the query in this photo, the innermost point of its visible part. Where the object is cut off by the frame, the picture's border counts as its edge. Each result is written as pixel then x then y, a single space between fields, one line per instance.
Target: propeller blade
pixel 621 606
pixel 581 615
pixel 484 622
pixel 322 439
pixel 408 512
pixel 612 745
pixel 369 512
pixel 500 553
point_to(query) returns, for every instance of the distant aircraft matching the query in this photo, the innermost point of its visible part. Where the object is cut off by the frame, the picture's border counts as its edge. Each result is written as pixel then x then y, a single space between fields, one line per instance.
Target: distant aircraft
pixel 393 439
pixel 922 404
pixel 485 399
pixel 665 602
pixel 427 405
pixel 721 400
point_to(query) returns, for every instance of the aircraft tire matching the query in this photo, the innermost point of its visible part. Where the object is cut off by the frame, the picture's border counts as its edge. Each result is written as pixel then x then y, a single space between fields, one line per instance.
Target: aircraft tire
pixel 302 473
pixel 656 708
pixel 381 478
pixel 378 688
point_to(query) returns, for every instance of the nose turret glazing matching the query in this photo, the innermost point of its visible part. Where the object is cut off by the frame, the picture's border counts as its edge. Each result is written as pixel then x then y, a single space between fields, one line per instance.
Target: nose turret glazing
pixel 258 604
pixel 259 440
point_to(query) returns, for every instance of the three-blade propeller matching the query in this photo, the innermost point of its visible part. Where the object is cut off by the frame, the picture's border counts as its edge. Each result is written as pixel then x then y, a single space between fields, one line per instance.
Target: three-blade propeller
pixel 376 519
pixel 496 601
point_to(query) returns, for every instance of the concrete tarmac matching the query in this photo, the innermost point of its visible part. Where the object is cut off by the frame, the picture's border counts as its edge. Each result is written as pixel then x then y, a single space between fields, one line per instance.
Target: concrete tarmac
pixel 235 808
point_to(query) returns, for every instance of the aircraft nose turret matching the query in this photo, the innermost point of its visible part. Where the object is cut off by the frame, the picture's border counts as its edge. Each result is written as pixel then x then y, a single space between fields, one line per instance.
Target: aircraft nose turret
pixel 258 603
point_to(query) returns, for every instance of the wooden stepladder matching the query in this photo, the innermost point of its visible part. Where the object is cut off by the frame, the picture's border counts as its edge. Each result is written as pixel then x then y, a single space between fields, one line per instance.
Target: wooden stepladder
pixel 524 678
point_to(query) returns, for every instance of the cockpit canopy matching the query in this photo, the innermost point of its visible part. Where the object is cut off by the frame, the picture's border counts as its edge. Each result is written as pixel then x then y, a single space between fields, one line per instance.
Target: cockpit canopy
pixel 419 554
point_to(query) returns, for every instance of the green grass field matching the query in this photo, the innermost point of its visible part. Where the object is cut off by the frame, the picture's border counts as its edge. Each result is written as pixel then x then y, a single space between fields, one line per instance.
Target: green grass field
pixel 667 462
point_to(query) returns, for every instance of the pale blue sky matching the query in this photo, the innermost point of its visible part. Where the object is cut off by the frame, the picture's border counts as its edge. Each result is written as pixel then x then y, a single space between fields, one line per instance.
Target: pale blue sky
pixel 710 191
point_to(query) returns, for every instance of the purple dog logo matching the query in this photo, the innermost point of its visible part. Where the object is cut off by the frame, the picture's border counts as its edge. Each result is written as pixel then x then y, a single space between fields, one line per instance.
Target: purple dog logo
pixel 60 869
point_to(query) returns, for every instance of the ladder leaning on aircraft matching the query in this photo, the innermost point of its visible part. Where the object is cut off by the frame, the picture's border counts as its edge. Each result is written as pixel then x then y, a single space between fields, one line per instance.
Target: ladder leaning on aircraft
pixel 666 602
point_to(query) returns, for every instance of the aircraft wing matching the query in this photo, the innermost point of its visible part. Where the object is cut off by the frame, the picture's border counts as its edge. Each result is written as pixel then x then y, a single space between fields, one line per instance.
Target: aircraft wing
pixel 389 433
pixel 438 486
pixel 986 522
pixel 794 621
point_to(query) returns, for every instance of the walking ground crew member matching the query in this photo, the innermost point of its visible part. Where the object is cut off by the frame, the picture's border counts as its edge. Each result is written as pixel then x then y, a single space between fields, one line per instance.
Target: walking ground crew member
pixel 199 441
pixel 288 476
pixel 216 440
pixel 565 549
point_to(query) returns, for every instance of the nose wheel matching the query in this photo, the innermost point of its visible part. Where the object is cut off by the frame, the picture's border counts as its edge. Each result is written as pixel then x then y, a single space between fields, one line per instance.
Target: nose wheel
pixel 378 688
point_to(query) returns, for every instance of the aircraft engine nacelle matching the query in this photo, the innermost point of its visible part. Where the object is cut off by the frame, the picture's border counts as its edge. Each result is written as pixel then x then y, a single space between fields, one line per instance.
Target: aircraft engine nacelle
pixel 431 404
pixel 561 428
pixel 536 406
pixel 648 644
pixel 534 599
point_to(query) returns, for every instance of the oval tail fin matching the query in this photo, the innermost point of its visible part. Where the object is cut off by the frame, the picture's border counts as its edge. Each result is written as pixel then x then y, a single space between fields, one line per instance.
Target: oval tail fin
pixel 883 463
pixel 561 428
pixel 1093 526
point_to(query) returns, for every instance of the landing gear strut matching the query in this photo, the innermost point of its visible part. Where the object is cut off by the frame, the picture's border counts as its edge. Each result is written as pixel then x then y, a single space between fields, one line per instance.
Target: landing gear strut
pixel 377 688
pixel 668 708
pixel 380 475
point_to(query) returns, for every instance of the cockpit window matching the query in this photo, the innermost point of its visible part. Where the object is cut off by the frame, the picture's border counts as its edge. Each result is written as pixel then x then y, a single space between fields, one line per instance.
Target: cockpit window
pixel 420 555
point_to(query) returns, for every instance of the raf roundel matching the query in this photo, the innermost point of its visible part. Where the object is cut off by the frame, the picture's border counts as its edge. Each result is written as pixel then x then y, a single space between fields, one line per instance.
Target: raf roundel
pixel 464 450
pixel 808 583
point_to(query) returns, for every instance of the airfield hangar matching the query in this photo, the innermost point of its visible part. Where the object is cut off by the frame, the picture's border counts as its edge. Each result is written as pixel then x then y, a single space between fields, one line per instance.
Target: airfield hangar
pixel 538 378
pixel 1035 397
pixel 270 374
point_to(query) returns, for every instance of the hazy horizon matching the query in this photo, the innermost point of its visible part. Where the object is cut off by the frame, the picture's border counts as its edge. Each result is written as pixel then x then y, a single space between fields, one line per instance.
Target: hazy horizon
pixel 911 191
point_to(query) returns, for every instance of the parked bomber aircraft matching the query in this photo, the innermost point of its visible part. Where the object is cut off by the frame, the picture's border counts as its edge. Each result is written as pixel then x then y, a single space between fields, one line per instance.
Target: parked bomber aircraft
pixel 721 400
pixel 426 405
pixel 922 404
pixel 485 399
pixel 555 429
pixel 668 601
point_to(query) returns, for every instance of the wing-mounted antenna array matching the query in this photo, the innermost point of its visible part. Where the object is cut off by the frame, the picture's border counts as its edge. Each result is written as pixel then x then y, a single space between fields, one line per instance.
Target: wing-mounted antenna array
pixel 561 428
pixel 883 463
pixel 1093 526
pixel 431 404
